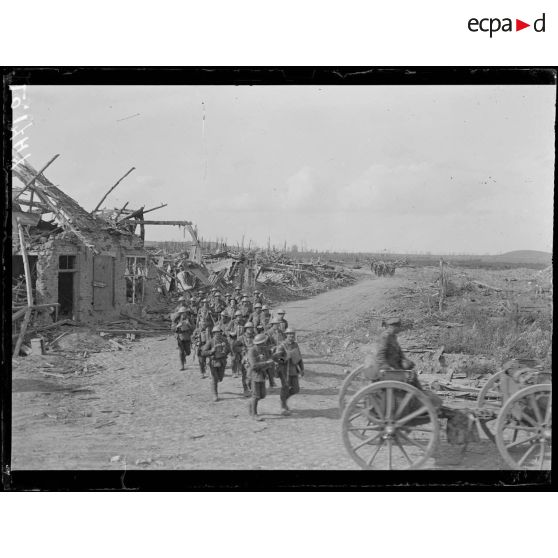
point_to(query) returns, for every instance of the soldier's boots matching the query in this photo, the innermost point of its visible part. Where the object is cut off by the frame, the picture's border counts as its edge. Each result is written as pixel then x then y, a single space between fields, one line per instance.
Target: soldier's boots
pixel 271 379
pixel 254 410
pixel 214 390
pixel 285 411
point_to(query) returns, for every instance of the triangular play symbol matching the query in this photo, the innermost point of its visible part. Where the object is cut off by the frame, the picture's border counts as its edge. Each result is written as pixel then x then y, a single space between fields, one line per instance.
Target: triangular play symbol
pixel 519 25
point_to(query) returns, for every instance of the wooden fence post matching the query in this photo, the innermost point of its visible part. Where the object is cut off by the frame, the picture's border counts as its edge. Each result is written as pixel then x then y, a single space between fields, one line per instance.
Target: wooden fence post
pixel 443 284
pixel 29 287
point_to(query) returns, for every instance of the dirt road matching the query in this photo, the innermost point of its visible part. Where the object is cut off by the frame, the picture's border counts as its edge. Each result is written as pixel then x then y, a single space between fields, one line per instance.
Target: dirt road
pixel 140 411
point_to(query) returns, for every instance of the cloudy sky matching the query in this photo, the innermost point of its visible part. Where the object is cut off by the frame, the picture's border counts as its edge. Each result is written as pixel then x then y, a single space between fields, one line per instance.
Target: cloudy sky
pixel 447 169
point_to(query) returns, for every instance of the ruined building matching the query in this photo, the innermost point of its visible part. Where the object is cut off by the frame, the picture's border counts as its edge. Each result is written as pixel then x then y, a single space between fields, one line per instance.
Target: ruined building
pixel 83 265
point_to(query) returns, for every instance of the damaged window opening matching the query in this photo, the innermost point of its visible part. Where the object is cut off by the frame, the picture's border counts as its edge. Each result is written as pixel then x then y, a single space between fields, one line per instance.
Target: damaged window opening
pixel 135 274
pixel 67 263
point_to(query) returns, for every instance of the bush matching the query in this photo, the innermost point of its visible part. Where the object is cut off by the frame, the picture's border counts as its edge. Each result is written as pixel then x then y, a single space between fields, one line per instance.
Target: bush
pixel 502 337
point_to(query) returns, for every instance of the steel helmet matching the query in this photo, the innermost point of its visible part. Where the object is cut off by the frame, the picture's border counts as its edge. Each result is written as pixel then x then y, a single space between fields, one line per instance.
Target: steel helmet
pixel 260 339
pixel 237 313
pixel 232 333
pixel 257 305
pixel 248 324
pixel 275 320
pixel 216 329
pixel 281 311
pixel 289 330
pixel 265 307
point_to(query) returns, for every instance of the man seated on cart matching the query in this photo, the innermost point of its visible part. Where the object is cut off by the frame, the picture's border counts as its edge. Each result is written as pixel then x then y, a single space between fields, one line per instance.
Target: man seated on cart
pixel 390 358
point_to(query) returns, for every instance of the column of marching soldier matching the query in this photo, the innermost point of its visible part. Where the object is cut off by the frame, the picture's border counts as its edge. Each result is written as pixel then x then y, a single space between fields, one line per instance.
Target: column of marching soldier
pixel 261 347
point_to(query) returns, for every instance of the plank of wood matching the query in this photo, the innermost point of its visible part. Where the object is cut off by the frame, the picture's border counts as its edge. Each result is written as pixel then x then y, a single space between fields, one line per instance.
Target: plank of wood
pixel 22 331
pixel 112 188
pixel 50 326
pixel 142 222
pixel 31 180
pixel 485 286
pixel 116 344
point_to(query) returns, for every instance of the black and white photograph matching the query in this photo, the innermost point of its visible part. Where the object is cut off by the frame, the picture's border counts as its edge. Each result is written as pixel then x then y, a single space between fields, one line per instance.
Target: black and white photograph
pixel 282 276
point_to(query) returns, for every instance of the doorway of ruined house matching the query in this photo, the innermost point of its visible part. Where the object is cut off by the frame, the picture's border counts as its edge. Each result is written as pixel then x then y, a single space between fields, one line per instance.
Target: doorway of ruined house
pixel 67 277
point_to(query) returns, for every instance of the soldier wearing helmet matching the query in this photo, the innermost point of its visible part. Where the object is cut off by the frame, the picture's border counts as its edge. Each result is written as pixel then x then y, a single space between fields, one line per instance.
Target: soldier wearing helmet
pixel 247 340
pixel 217 349
pixel 283 324
pixel 258 362
pixel 289 367
pixel 266 316
pixel 231 308
pixel 275 332
pixel 258 298
pixel 201 337
pixel 224 321
pixel 236 347
pixel 237 324
pixel 205 319
pixel 246 307
pixel 217 306
pixel 183 329
pixel 257 315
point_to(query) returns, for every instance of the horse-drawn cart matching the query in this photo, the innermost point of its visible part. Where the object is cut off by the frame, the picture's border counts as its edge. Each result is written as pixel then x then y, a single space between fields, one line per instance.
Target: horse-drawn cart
pixel 392 423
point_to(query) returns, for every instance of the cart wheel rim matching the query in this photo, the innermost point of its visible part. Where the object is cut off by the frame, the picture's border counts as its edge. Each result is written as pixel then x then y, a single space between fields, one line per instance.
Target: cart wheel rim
pixel 351 384
pixel 489 385
pixel 524 429
pixel 390 425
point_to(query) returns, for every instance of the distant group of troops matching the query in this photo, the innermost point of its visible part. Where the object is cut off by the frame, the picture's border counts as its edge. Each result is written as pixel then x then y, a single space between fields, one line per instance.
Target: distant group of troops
pixel 380 268
pixel 262 348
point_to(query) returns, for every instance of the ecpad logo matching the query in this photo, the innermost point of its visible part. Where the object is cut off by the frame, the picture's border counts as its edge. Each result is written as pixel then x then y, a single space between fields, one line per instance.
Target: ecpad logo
pixel 493 25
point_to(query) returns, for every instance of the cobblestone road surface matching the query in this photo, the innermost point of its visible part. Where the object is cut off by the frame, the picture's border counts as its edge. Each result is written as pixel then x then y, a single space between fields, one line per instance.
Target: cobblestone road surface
pixel 141 412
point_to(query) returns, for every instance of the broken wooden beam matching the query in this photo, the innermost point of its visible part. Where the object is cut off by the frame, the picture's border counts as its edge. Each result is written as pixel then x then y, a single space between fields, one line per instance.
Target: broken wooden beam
pixel 120 212
pixel 35 205
pixel 47 327
pixel 21 311
pixel 130 215
pixel 176 223
pixel 37 174
pixel 29 289
pixel 154 208
pixel 112 188
pixel 485 286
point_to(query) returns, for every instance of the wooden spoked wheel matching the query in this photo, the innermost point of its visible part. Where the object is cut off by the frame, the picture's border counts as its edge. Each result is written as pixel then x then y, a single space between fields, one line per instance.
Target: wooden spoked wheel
pixel 354 382
pixel 492 385
pixel 390 425
pixel 524 428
